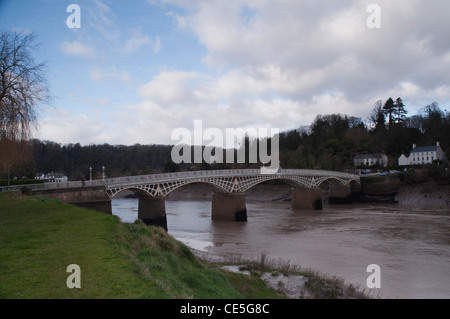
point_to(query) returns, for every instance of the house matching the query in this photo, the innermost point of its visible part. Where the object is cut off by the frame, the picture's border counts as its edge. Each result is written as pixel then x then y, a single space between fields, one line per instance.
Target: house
pixel 422 155
pixel 52 177
pixel 370 160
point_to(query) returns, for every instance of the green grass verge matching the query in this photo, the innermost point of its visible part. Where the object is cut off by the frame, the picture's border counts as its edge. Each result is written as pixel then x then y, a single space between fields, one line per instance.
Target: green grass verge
pixel 39 238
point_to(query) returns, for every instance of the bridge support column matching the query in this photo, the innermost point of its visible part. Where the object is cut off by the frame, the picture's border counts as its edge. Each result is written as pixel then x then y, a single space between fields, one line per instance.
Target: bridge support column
pixel 306 198
pixel 340 194
pixel 152 211
pixel 229 207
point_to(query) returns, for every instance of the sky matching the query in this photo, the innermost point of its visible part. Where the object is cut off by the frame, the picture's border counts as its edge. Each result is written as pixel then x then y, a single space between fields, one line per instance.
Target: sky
pixel 135 71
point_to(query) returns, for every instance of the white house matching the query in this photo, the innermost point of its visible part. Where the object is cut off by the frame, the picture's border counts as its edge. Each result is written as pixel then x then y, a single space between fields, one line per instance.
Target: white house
pixel 370 160
pixel 422 155
pixel 52 177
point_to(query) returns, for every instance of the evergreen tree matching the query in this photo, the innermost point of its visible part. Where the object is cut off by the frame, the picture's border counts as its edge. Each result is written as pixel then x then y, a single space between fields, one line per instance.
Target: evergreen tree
pixel 399 111
pixel 389 110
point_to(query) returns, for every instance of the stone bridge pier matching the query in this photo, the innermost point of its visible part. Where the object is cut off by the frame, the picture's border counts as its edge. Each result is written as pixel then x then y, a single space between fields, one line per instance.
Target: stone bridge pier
pixel 340 194
pixel 152 211
pixel 306 198
pixel 229 206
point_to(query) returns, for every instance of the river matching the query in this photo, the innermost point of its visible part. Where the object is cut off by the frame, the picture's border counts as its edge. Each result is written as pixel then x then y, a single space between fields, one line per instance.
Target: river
pixel 410 244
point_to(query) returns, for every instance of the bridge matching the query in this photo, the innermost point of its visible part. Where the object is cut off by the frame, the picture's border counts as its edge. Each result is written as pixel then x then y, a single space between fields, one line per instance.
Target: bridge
pixel 228 186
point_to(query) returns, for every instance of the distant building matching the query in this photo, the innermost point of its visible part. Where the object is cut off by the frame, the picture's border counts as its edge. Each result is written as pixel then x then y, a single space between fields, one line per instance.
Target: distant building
pixel 378 159
pixel 422 155
pixel 52 177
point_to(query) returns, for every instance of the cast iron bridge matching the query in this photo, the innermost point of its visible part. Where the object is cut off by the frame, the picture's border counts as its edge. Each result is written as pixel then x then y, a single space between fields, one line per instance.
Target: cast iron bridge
pixel 224 181
pixel 228 197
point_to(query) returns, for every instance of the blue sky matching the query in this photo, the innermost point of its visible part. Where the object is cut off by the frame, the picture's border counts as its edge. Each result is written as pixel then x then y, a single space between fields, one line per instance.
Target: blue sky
pixel 137 70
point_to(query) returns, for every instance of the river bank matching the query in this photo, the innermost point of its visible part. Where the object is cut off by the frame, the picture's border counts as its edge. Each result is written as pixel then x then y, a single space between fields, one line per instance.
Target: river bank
pixel 41 237
pixel 427 194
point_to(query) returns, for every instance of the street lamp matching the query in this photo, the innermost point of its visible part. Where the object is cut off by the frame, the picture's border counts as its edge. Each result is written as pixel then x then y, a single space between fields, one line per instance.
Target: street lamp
pixel 103 167
pixel 90 174
pixel 8 175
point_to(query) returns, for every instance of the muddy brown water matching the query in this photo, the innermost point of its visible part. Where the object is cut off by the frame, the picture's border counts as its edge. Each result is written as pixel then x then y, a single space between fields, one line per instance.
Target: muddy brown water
pixel 410 244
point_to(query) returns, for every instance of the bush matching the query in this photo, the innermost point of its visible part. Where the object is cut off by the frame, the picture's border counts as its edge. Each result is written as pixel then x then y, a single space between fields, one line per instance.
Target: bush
pixel 20 182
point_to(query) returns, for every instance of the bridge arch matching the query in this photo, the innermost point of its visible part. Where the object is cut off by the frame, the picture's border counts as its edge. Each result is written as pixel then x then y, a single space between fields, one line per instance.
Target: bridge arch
pixel 250 183
pixel 227 181
pixel 214 187
pixel 162 189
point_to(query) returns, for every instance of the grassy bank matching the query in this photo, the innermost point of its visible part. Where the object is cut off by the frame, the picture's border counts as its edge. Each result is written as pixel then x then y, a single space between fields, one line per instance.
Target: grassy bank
pixel 39 238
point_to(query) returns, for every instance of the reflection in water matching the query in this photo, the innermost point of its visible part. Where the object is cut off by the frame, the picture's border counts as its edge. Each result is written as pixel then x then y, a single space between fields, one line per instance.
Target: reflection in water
pixel 411 245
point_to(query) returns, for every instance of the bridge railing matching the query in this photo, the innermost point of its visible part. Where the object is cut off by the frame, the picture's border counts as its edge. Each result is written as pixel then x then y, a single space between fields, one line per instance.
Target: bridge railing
pixel 167 177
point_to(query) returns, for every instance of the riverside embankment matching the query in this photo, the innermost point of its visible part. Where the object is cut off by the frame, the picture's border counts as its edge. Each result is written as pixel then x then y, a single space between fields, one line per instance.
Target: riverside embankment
pixel 41 237
pixel 382 190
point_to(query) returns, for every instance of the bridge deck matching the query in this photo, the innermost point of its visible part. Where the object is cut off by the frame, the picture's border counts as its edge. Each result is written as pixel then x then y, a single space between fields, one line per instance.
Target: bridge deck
pixel 190 176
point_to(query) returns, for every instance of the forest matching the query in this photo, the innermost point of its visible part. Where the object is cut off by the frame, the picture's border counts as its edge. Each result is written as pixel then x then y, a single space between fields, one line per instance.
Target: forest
pixel 330 142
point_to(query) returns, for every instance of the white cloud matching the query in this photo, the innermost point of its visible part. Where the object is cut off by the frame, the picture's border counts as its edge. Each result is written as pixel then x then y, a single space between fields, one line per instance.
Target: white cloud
pixel 171 87
pixel 139 40
pixel 98 74
pixel 78 49
pixel 72 128
pixel 279 64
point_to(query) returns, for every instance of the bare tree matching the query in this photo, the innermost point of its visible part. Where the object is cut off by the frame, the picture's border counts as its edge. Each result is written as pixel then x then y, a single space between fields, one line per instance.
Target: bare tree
pixel 377 117
pixel 22 88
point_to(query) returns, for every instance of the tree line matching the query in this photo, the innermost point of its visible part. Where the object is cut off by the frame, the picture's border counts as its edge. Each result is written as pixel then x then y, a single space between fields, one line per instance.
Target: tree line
pixel 330 142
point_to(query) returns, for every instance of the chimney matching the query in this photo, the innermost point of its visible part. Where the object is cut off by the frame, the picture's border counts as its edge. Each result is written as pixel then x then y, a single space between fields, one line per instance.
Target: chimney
pixel 414 146
pixel 438 144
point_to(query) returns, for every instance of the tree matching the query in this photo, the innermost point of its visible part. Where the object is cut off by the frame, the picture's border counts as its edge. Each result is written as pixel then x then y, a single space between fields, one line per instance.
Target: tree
pixel 433 123
pixel 389 109
pixel 171 167
pixel 22 88
pixel 399 111
pixel 377 117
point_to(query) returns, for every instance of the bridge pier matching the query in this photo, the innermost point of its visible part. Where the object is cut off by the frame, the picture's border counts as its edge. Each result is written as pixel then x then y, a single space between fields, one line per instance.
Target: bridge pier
pixel 340 194
pixel 306 198
pixel 229 207
pixel 152 211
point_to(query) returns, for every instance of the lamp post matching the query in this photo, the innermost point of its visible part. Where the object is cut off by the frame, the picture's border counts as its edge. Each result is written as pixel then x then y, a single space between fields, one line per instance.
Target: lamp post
pixel 103 176
pixel 8 176
pixel 90 174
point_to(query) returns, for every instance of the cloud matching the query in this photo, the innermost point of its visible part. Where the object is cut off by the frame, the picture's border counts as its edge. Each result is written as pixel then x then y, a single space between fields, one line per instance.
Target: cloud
pixel 139 40
pixel 98 74
pixel 78 49
pixel 73 128
pixel 170 87
pixel 277 64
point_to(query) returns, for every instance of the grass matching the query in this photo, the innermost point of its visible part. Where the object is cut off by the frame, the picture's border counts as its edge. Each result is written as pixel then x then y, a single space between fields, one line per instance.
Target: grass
pixel 39 238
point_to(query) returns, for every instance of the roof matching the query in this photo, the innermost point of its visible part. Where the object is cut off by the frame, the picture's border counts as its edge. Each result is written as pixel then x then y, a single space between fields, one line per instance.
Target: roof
pixel 362 156
pixel 425 149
